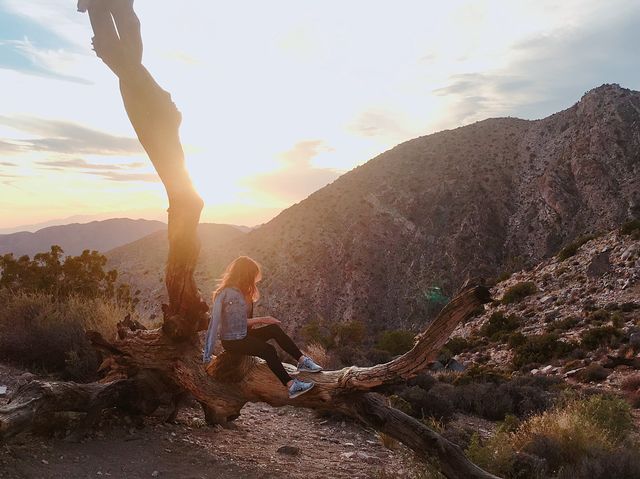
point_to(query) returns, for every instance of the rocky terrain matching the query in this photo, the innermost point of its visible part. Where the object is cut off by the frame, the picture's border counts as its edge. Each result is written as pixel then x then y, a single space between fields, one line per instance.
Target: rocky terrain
pixel 575 317
pixel 498 194
pixel 74 238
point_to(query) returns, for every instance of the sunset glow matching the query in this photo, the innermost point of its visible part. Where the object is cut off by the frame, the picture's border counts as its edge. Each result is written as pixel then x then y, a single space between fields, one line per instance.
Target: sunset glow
pixel 280 98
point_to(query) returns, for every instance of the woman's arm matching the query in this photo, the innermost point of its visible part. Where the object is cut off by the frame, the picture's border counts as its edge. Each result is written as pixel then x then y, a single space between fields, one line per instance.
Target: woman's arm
pixel 261 320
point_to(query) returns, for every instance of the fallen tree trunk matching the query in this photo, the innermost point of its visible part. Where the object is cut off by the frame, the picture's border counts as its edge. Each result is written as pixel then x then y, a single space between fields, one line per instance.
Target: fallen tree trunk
pixel 145 364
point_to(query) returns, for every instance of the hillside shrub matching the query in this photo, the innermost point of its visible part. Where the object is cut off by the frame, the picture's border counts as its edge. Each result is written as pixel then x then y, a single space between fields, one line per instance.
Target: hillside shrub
pixel 631 227
pixel 499 326
pixel 540 348
pixel 457 345
pixel 396 341
pixel 594 372
pixel 39 332
pixel 599 316
pixel 572 248
pixel 518 292
pixel 596 337
pixel 574 436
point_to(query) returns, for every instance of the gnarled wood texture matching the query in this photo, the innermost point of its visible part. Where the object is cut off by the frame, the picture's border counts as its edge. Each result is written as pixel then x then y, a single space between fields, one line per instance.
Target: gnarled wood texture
pixel 145 364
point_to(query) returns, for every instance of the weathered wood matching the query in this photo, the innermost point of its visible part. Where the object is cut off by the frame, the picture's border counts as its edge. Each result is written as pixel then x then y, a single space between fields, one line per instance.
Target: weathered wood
pixel 143 364
pixel 156 121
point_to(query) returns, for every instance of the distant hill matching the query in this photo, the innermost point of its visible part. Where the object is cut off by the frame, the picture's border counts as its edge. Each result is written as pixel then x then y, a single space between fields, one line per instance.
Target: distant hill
pixel 74 238
pixel 498 194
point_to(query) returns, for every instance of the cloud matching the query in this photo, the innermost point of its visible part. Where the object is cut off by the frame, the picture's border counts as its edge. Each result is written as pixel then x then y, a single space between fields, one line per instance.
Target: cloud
pixel 9 148
pixel 379 123
pixel 297 177
pixel 56 136
pixel 112 172
pixel 547 73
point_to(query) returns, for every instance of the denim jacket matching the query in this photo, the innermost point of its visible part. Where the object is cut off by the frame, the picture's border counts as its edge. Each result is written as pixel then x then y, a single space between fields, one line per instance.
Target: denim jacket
pixel 229 312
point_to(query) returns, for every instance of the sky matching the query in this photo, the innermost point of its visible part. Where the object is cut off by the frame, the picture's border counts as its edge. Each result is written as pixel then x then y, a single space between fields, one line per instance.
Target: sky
pixel 279 98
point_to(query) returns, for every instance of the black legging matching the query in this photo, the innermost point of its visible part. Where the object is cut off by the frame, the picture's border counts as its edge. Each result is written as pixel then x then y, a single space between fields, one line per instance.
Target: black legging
pixel 255 344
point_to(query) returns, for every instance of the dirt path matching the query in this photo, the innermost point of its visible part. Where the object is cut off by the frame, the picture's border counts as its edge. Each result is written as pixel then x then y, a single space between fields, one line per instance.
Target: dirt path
pixel 319 447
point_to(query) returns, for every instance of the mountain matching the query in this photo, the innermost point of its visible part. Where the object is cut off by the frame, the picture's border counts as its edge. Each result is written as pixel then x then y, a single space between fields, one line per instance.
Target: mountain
pixel 498 194
pixel 74 238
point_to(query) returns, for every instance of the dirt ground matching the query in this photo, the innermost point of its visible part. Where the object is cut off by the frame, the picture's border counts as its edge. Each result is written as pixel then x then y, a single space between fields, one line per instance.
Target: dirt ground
pixel 121 447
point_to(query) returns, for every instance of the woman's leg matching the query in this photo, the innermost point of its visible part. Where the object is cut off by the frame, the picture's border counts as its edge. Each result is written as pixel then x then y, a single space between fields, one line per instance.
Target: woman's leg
pixel 253 346
pixel 273 331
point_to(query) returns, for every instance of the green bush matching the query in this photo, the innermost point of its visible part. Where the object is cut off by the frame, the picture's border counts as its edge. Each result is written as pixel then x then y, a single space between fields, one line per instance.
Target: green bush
pixel 396 342
pixel 499 326
pixel 540 348
pixel 594 372
pixel 600 316
pixel 572 248
pixel 518 292
pixel 630 227
pixel 594 338
pixel 457 345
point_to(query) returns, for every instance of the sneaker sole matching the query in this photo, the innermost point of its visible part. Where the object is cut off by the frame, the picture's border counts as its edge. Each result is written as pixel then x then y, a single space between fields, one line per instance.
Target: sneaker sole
pixel 301 392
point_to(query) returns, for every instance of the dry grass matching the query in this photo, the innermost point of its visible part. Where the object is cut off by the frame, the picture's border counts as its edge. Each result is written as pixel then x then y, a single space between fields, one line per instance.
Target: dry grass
pixel 38 332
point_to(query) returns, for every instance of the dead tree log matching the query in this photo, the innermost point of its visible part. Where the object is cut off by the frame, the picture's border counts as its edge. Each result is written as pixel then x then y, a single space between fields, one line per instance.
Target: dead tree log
pixel 144 364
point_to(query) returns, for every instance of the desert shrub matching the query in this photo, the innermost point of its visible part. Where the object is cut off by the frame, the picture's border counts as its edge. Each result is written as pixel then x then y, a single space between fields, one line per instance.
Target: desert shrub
pixel 457 345
pixel 478 374
pixel 560 440
pixel 349 332
pixel 39 332
pixel 611 413
pixel 516 339
pixel 436 402
pixel 518 292
pixel 395 342
pixel 593 338
pixel 572 248
pixel 600 316
pixel 519 397
pixel 563 325
pixel 630 227
pixel 617 320
pixel 378 356
pixel 594 372
pixel 498 326
pixel 318 331
pixel 540 348
pixel 619 463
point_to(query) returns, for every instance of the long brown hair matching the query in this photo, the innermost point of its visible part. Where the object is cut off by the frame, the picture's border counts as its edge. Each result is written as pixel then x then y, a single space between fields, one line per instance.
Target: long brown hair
pixel 242 273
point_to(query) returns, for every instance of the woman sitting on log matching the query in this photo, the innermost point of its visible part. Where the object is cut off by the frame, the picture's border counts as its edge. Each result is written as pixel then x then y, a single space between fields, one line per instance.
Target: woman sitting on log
pixel 242 334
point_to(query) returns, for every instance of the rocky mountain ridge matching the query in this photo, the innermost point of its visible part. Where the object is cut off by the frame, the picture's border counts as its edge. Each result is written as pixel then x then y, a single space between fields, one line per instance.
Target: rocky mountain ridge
pixel 498 194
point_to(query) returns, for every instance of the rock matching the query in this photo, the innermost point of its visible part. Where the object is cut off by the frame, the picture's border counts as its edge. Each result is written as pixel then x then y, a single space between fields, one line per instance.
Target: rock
pixel 155 474
pixel 599 265
pixel 546 369
pixel 3 391
pixel 289 450
pixel 634 339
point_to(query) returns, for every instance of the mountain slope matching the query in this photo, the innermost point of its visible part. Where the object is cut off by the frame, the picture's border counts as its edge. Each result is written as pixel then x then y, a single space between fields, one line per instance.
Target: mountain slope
pixel 74 238
pixel 431 211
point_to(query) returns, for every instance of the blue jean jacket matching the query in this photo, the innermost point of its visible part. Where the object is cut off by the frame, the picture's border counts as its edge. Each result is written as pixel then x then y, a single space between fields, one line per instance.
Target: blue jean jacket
pixel 229 313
